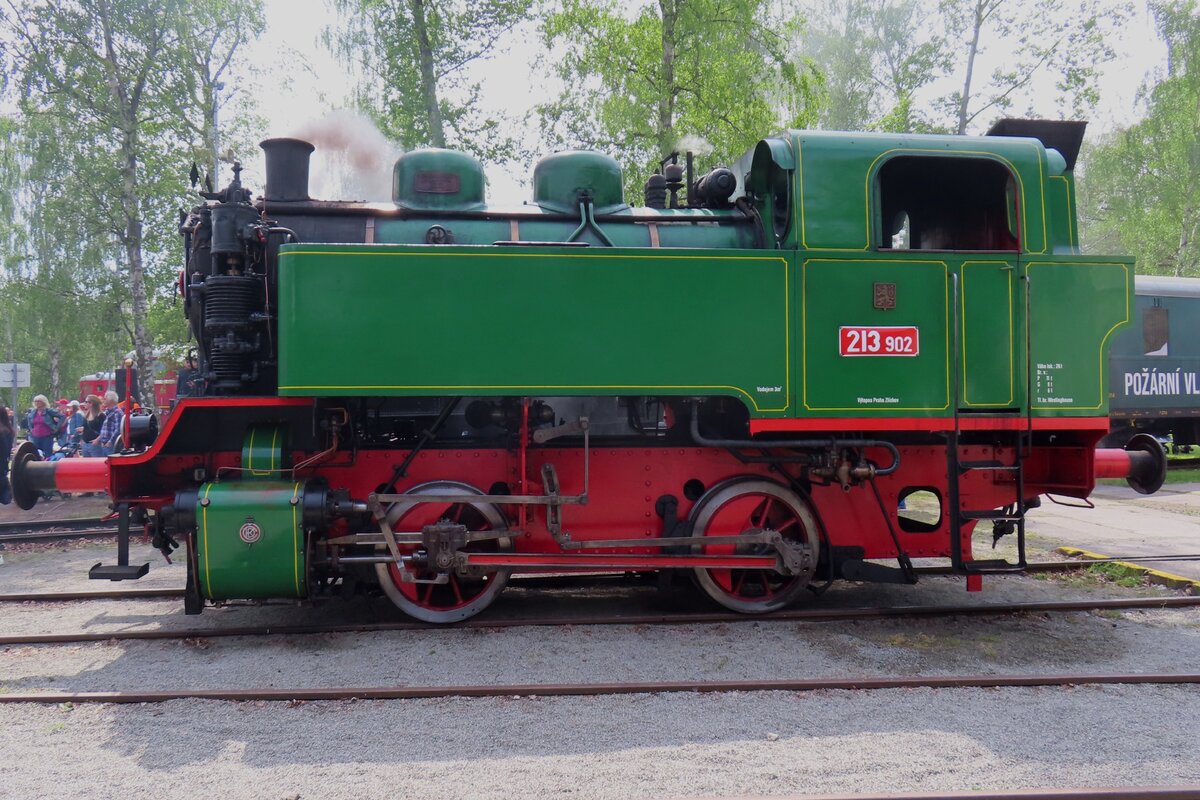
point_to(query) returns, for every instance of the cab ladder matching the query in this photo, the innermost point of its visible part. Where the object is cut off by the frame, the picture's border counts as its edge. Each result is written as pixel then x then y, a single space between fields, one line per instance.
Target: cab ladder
pixel 1021 442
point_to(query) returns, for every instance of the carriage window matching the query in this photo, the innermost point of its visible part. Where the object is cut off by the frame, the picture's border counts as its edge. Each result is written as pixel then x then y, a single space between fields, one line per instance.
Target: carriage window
pixel 1155 332
pixel 934 203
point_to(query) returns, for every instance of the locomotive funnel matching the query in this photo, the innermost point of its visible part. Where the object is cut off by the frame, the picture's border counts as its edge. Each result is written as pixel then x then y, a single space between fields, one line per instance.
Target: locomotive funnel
pixel 287 168
pixel 31 476
pixel 1143 463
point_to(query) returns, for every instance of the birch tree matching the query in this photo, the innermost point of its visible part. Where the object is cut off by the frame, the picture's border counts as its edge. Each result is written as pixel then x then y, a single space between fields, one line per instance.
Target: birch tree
pixel 1038 41
pixel 113 82
pixel 1140 188
pixel 717 70
pixel 414 58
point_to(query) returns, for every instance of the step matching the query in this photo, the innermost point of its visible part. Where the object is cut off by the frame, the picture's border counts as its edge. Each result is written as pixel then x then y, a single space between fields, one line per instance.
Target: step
pixel 993 514
pixel 988 465
pixel 118 572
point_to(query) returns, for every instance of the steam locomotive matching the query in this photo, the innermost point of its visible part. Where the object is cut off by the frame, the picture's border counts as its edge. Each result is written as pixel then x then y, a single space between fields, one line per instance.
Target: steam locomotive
pixel 742 380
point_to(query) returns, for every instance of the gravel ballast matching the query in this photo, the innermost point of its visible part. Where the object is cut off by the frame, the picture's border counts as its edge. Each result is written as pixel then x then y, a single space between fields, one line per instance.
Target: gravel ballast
pixel 607 747
pixel 604 747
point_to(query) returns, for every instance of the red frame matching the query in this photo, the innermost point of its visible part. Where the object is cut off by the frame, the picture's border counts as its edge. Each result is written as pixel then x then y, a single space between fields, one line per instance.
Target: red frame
pixel 625 484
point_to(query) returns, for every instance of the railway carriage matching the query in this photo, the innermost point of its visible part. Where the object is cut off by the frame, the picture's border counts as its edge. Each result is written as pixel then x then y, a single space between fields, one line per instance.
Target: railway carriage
pixel 1155 375
pixel 742 379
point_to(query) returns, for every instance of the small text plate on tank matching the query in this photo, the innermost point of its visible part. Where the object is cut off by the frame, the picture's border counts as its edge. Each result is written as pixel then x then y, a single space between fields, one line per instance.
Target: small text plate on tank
pixel 874 340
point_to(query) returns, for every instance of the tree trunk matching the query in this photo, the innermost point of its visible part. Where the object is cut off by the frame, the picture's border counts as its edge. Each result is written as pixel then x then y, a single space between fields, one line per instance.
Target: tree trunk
pixel 55 357
pixel 666 103
pixel 966 92
pixel 437 133
pixel 130 204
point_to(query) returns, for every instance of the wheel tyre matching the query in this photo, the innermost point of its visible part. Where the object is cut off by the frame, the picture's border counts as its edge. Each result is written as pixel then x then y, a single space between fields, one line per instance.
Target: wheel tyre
pixel 495 581
pixel 709 508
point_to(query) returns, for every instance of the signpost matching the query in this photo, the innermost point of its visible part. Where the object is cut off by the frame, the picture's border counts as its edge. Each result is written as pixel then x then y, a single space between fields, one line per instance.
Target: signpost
pixel 14 376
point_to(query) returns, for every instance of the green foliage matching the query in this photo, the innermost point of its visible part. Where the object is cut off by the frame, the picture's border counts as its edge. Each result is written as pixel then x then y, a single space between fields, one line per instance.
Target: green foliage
pixel 1041 40
pixel 1140 189
pixel 413 57
pixel 876 56
pixel 707 75
pixel 1118 574
pixel 112 108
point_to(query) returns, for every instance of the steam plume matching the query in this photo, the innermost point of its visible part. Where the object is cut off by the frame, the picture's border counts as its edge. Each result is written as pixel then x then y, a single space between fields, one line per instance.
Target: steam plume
pixel 697 144
pixel 353 160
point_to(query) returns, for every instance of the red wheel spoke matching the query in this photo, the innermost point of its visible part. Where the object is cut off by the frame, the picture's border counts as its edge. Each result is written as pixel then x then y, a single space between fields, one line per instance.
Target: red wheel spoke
pixel 786 525
pixel 457 590
pixel 766 583
pixel 458 510
pixel 428 593
pixel 766 513
pixel 737 587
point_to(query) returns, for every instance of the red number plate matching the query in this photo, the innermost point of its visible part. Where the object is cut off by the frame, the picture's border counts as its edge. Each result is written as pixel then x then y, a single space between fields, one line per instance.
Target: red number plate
pixel 878 341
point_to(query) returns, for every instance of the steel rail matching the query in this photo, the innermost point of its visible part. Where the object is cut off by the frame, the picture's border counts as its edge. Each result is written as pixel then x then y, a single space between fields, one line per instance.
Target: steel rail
pixel 1113 793
pixel 565 580
pixel 45 536
pixel 704 618
pixel 595 689
pixel 38 524
pixel 113 594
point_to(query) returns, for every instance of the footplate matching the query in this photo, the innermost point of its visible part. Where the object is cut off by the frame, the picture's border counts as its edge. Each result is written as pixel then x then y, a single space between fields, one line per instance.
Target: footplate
pixel 117 572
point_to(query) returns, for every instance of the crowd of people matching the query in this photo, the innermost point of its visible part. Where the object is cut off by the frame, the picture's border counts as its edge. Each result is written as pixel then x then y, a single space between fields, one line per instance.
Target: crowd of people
pixel 90 429
pixel 65 429
pixel 70 428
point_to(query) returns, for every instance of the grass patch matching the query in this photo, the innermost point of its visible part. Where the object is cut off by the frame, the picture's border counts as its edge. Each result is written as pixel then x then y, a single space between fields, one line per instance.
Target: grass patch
pixel 1118 574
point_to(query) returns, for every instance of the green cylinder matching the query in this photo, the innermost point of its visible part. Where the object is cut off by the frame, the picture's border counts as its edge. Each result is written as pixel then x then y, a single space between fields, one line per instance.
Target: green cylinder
pixel 250 540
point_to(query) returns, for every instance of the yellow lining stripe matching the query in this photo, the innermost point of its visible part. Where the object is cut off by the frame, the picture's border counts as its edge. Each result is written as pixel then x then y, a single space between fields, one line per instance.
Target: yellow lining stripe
pixel 204 530
pixel 1103 342
pixel 872 171
pixel 798 217
pixel 1011 343
pixel 295 538
pixel 375 251
pixel 798 221
pixel 1071 226
pixel 804 332
pixel 250 451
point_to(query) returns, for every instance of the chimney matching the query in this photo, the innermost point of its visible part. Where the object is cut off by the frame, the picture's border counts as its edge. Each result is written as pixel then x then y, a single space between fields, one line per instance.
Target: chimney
pixel 287 168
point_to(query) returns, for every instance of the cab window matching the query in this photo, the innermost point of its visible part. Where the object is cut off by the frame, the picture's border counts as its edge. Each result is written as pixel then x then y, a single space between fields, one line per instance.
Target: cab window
pixel 942 203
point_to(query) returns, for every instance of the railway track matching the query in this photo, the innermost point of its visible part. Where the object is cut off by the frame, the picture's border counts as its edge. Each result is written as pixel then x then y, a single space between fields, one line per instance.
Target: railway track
pixel 555 581
pixel 1122 793
pixel 706 618
pixel 23 531
pixel 865 683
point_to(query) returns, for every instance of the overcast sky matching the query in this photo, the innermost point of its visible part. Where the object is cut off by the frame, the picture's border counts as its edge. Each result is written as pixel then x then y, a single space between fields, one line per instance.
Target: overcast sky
pixel 510 84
